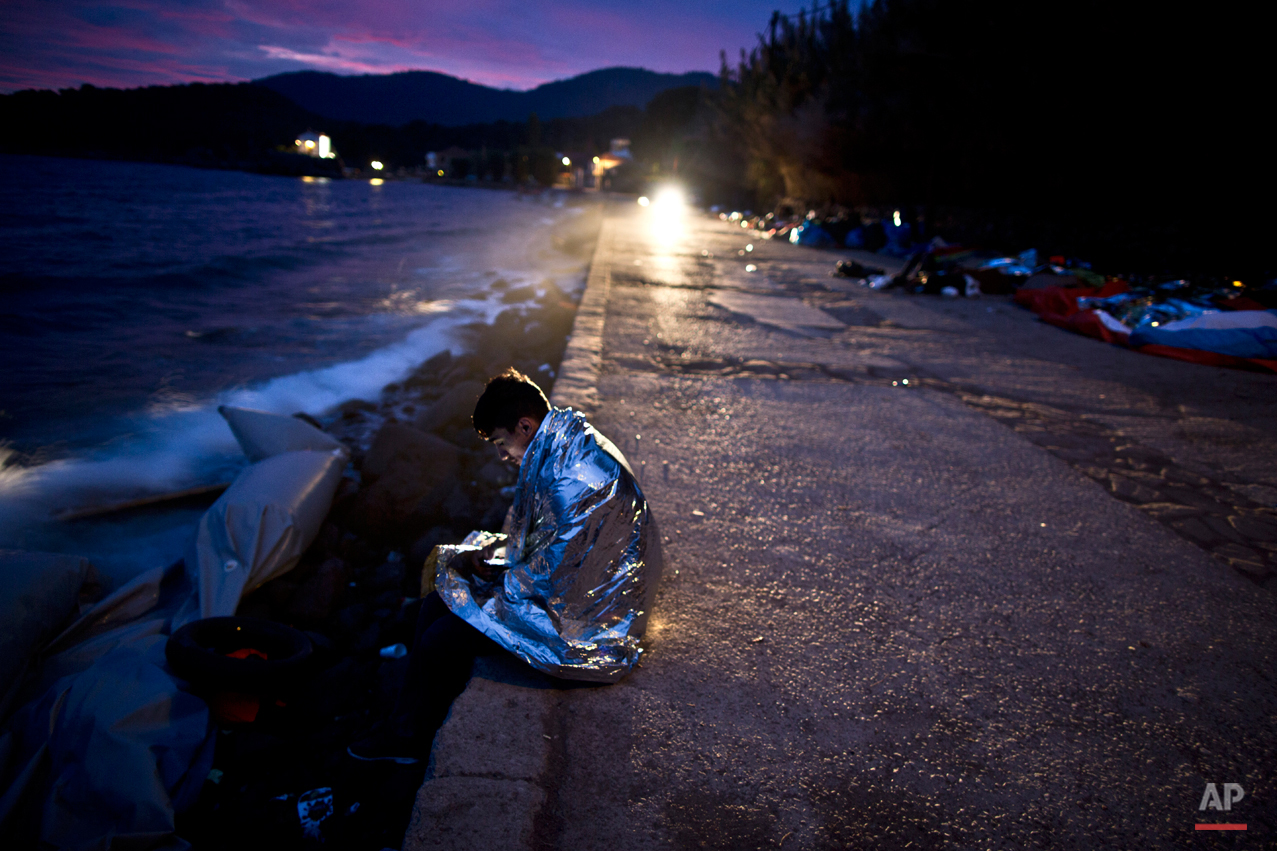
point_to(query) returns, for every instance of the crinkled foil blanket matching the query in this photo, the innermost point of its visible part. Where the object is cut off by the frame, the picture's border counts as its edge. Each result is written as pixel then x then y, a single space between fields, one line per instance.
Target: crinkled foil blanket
pixel 582 559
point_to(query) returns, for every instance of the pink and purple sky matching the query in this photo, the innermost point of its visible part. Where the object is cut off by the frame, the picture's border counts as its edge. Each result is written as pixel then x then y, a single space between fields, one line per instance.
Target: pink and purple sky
pixel 52 44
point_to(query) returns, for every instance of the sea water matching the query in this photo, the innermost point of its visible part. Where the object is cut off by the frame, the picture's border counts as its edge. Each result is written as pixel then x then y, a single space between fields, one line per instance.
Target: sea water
pixel 139 297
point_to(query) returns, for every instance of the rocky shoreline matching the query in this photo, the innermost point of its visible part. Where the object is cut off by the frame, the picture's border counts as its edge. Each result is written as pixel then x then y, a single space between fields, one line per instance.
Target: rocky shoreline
pixel 419 476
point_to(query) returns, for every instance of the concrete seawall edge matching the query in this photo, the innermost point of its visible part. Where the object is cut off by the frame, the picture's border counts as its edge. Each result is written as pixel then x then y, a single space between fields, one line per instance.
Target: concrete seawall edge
pixel 486 783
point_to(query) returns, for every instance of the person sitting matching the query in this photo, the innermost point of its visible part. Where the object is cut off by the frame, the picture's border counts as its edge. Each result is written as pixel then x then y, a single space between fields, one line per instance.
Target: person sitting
pixel 568 585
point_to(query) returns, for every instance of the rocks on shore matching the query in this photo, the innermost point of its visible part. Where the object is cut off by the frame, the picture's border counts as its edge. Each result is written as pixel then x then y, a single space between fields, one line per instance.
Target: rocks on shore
pixel 452 408
pixel 408 474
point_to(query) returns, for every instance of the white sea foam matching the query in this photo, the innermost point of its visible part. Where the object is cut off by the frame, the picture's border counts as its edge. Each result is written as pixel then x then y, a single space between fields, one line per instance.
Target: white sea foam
pixel 192 445
pixel 251 258
pixel 316 391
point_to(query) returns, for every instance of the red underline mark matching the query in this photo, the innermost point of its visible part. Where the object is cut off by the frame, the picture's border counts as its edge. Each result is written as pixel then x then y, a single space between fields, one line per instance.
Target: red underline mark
pixel 1201 826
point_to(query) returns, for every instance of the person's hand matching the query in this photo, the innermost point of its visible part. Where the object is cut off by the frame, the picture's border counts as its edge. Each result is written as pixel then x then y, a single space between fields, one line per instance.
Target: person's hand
pixel 475 563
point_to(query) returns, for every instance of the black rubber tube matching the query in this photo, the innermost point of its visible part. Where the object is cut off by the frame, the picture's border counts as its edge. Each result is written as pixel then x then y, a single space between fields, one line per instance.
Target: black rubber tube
pixel 198 652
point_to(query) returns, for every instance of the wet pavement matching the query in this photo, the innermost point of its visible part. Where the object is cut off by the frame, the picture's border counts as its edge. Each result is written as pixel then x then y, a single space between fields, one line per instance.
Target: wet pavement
pixel 937 576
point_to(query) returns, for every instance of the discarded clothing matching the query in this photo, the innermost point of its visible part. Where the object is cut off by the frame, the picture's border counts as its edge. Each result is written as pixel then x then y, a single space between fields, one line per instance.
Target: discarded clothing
pixel 854 269
pixel 1241 334
pixel 1167 326
pixel 812 235
pixel 1065 301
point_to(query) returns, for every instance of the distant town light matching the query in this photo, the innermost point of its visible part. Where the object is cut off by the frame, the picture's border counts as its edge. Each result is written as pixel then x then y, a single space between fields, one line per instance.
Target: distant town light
pixel 567 161
pixel 441 172
pixel 376 181
pixel 312 144
pixel 377 165
pixel 596 160
pixel 895 218
pixel 643 201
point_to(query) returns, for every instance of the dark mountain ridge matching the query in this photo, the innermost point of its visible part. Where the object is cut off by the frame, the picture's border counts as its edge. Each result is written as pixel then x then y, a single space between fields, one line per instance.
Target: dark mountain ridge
pixel 397 99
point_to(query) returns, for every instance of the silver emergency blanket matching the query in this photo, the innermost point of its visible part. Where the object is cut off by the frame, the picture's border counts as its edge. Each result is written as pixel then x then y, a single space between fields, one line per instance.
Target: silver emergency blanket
pixel 582 559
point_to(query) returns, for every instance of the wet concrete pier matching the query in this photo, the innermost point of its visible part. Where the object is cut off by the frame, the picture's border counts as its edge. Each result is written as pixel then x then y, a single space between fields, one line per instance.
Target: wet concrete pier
pixel 938 576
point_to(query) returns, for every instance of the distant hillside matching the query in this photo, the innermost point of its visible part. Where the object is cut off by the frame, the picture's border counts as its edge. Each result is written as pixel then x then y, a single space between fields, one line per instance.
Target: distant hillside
pixel 221 125
pixel 397 99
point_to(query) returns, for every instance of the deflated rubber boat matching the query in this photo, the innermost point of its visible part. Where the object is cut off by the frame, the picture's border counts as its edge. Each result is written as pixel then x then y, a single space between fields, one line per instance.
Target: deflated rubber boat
pixel 105 744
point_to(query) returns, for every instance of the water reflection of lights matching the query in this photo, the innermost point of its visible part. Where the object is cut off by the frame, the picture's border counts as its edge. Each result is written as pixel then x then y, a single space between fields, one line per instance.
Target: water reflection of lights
pixel 406 301
pixel 670 300
pixel 376 181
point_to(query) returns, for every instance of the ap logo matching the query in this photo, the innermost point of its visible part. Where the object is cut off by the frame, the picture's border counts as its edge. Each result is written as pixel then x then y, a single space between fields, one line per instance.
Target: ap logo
pixel 1233 792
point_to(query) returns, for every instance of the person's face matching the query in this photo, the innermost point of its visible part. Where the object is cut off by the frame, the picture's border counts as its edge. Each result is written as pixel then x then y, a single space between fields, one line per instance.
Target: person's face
pixel 511 445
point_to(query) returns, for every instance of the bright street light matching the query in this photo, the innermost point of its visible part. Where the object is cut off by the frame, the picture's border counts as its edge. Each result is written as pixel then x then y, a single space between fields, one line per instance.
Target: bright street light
pixel 670 198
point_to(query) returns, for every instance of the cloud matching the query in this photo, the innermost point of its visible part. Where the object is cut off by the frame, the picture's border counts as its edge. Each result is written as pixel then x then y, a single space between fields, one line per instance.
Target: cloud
pixel 324 61
pixel 496 42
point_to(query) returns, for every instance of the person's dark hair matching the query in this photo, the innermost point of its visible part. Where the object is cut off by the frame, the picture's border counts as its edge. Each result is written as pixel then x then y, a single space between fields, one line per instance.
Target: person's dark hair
pixel 509 397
